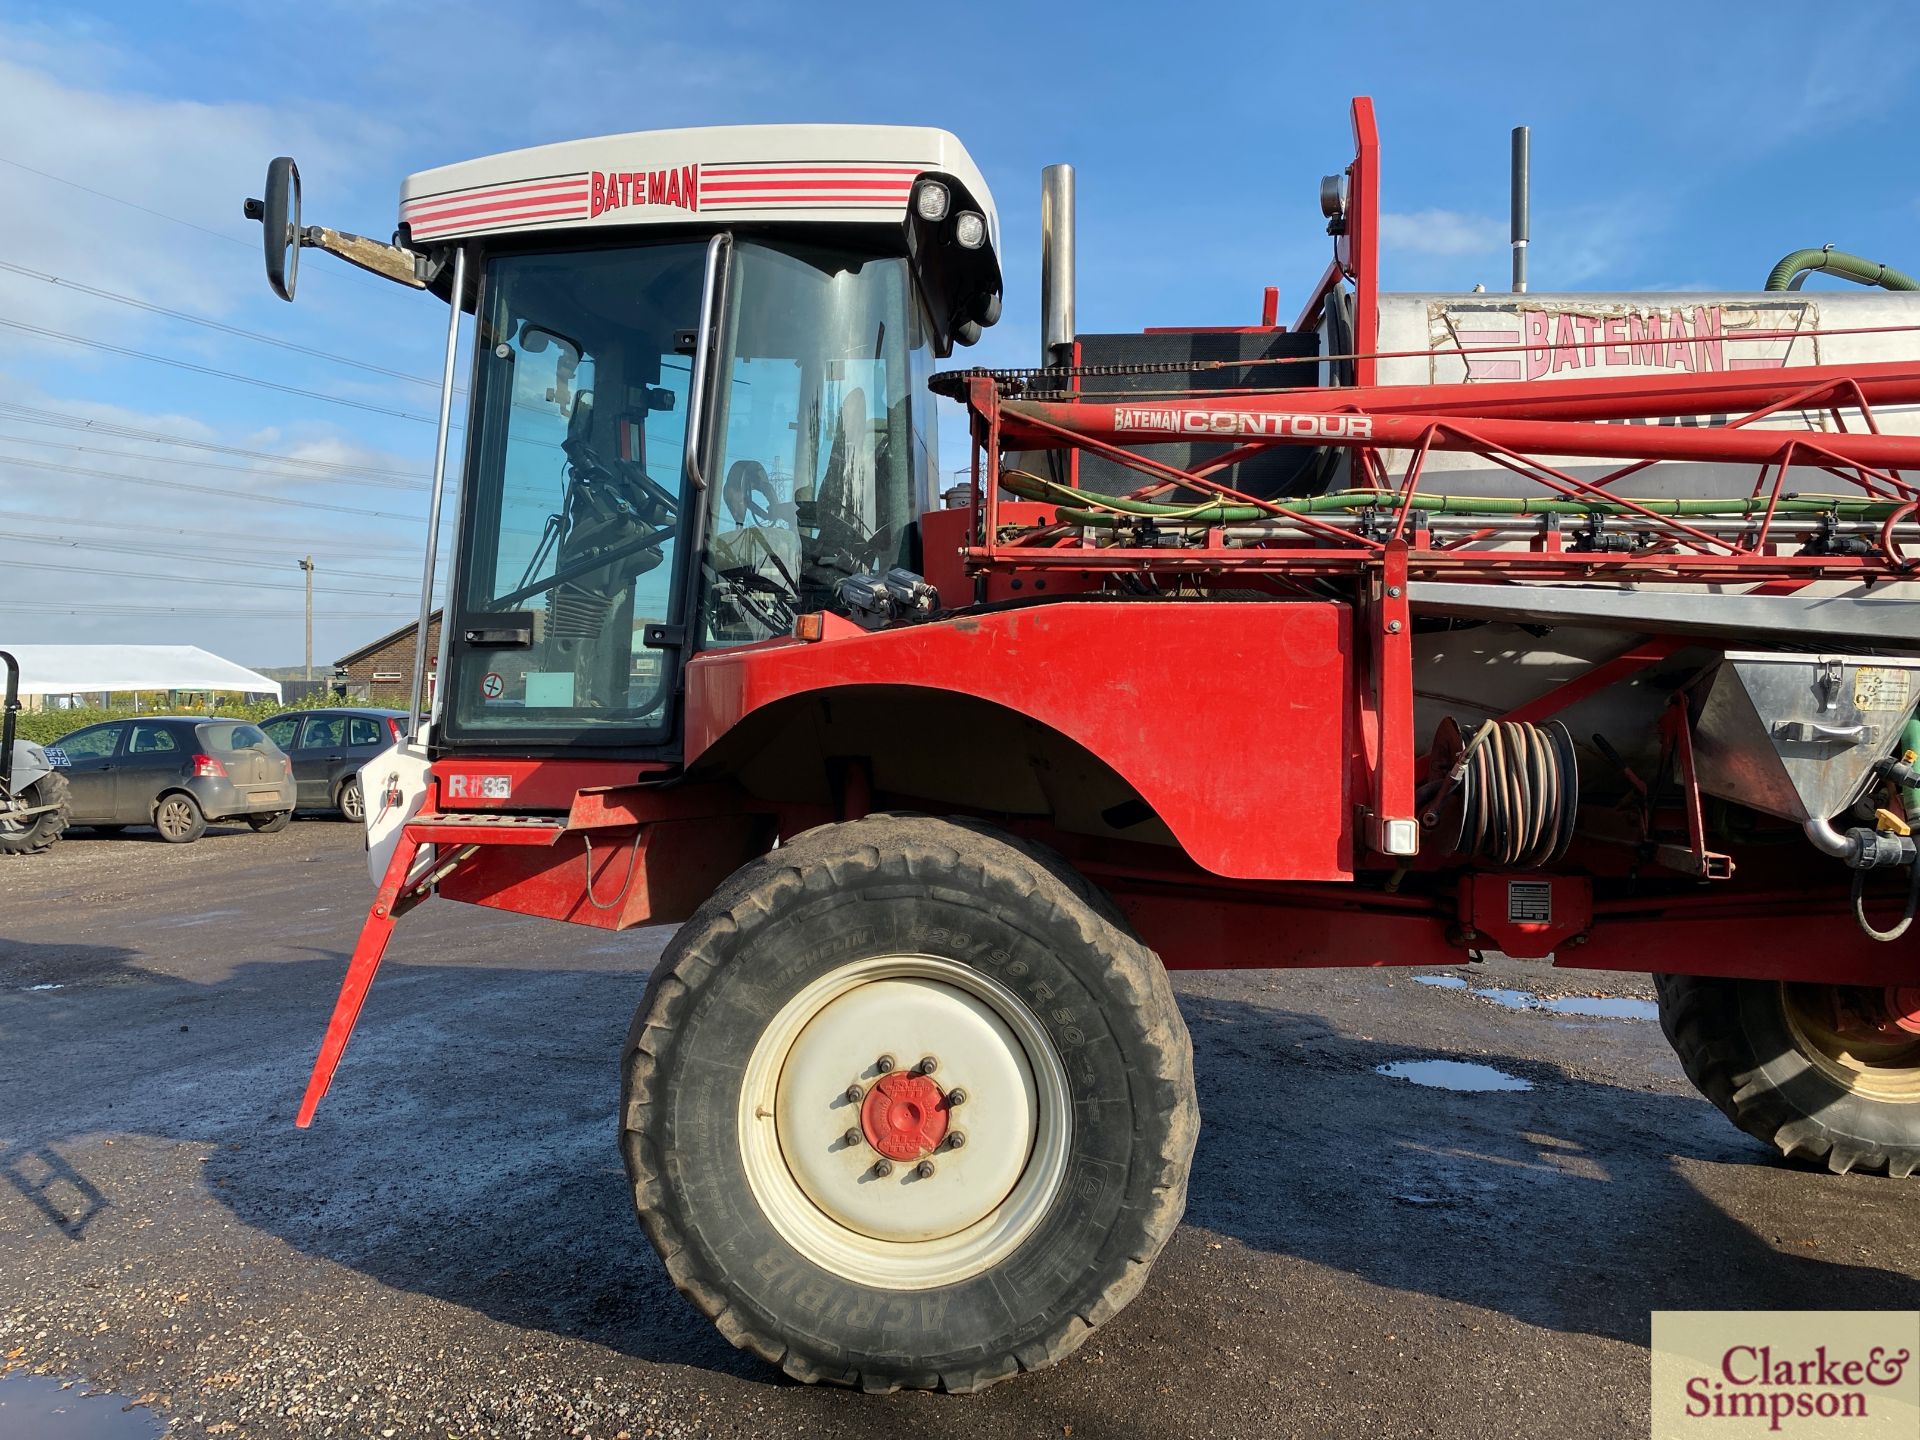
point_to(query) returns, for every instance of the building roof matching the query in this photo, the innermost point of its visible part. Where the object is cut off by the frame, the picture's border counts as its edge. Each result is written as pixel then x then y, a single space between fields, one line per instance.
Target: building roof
pixel 354 657
pixel 85 669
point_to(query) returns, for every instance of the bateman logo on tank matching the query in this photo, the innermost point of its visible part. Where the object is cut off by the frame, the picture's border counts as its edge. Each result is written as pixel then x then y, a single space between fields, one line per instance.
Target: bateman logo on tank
pixel 616 189
pixel 1537 344
pixel 1244 422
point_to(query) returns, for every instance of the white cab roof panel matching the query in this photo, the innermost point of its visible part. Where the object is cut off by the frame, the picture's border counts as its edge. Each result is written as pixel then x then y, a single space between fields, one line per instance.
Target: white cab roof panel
pixel 720 175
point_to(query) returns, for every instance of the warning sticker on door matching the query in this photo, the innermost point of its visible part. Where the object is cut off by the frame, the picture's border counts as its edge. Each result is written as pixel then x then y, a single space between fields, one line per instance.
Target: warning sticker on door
pixel 1879 687
pixel 493 686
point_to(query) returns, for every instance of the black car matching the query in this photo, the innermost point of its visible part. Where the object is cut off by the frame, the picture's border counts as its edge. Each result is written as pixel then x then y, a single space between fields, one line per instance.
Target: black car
pixel 328 748
pixel 174 773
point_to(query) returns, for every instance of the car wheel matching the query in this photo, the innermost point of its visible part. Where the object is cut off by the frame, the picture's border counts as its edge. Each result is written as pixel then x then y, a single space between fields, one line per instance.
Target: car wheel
pixel 270 824
pixel 179 819
pixel 352 807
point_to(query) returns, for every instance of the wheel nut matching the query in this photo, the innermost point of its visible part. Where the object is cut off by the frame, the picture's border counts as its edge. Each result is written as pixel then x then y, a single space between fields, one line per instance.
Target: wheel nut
pixel 928 1064
pixel 956 1138
pixel 885 1064
pixel 956 1097
pixel 924 1169
pixel 882 1169
pixel 855 1094
pixel 853 1136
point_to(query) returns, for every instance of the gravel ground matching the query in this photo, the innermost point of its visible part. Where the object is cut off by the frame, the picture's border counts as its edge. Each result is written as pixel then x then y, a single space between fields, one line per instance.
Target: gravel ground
pixel 449 1252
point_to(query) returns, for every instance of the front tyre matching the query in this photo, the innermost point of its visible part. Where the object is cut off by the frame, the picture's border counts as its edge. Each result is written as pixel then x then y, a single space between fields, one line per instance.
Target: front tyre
pixel 901 1108
pixel 1826 1074
pixel 34 834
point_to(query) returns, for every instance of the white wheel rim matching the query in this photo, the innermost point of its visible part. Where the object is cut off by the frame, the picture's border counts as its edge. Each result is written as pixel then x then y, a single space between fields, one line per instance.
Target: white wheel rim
pixel 905 1230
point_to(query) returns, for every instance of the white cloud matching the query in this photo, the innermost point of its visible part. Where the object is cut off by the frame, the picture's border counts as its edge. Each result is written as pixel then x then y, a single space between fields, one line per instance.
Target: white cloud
pixel 181 158
pixel 1442 232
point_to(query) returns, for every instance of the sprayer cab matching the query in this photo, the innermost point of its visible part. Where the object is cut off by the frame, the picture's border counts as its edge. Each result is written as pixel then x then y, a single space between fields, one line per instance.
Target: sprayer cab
pixel 699 404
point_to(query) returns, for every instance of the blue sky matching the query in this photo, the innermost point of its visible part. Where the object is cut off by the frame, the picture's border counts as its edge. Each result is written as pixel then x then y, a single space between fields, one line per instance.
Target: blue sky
pixel 1675 147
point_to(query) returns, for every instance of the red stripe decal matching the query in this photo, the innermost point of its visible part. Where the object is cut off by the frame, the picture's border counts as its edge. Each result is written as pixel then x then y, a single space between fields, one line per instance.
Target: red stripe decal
pixel 897 187
pixel 495 192
pixel 434 217
pixel 815 170
pixel 516 217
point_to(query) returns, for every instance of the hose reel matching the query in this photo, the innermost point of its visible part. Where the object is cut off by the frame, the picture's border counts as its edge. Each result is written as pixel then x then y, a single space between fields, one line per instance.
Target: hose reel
pixel 1505 796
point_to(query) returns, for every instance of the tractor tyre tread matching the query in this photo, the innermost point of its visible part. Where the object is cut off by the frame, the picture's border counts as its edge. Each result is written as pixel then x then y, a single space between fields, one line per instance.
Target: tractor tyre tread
pixel 1733 1042
pixel 902 846
pixel 50 789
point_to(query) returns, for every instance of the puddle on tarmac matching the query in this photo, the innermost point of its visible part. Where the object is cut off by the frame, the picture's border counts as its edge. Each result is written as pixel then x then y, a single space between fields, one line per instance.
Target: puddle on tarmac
pixel 1592 1007
pixel 1452 1075
pixel 34 1407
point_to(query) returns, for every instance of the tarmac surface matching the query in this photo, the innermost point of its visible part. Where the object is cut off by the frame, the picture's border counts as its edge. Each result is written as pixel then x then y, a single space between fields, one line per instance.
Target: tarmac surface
pixel 450 1250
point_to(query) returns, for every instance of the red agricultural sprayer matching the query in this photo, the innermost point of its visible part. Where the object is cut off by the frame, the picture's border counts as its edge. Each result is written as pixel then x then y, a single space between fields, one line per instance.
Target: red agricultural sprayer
pixel 1577 627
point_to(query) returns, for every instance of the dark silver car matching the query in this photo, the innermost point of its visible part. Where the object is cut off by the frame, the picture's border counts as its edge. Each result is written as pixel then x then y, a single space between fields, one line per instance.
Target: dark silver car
pixel 175 773
pixel 328 747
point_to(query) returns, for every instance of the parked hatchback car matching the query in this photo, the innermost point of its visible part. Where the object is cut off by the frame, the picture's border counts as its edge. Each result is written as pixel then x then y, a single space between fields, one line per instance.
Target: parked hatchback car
pixel 175 773
pixel 328 747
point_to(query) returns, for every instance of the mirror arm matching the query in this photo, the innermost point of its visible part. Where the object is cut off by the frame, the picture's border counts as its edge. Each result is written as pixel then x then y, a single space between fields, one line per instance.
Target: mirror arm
pixel 389 262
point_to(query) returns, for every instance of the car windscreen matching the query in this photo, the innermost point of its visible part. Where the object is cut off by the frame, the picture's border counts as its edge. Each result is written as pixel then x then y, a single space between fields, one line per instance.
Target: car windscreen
pixel 232 735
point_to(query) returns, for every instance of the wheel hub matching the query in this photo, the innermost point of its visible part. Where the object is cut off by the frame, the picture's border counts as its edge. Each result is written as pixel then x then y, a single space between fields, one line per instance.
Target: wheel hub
pixel 904 1117
pixel 860 1160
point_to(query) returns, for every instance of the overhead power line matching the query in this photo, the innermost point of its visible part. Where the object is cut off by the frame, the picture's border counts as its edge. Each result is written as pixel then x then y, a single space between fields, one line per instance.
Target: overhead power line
pixel 214 465
pixel 61 420
pixel 233 375
pixel 224 494
pixel 173 219
pixel 121 547
pixel 225 613
pixel 318 544
pixel 220 325
pixel 121 574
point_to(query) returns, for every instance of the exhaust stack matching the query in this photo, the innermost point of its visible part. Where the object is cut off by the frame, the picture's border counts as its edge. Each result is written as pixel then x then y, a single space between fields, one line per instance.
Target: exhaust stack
pixel 1521 204
pixel 1056 265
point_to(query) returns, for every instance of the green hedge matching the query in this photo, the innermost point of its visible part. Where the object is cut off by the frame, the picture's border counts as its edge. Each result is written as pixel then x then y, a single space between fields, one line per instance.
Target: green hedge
pixel 43 727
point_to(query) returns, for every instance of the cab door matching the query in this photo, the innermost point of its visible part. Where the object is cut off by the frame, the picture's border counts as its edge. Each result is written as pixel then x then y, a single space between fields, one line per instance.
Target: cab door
pixel 565 623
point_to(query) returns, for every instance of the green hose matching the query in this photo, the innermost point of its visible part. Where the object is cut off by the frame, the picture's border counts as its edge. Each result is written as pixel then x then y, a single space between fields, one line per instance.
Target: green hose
pixel 1788 274
pixel 1035 487
pixel 1909 743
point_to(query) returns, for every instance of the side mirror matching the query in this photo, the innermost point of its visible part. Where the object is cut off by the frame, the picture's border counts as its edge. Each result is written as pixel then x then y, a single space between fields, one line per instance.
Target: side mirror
pixel 280 232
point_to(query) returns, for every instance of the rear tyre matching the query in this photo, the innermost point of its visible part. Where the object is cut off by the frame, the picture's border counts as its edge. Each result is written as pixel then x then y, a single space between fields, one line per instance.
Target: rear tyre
pixel 760 1178
pixel 37 833
pixel 270 824
pixel 1826 1074
pixel 352 806
pixel 178 818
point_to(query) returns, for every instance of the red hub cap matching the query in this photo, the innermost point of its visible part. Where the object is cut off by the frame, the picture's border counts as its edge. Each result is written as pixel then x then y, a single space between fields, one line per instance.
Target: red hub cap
pixel 1903 1006
pixel 904 1116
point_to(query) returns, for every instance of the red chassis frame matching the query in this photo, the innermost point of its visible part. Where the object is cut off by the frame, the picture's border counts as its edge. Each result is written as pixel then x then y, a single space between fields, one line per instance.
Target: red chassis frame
pixel 1316 694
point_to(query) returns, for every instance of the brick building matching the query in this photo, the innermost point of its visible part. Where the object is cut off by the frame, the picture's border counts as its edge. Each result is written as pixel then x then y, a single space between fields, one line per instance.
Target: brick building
pixel 381 671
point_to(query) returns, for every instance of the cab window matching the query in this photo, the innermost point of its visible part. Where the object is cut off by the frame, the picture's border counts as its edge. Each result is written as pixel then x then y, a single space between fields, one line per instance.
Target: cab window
pixel 281 731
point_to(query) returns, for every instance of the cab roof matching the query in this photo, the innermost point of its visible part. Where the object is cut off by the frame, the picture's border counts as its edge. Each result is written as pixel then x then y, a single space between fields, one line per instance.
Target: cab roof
pixel 725 174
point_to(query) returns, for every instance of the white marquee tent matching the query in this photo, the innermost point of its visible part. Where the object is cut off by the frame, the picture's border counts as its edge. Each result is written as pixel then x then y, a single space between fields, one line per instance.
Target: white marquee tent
pixel 106 669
